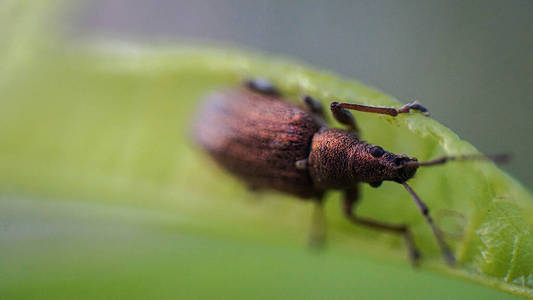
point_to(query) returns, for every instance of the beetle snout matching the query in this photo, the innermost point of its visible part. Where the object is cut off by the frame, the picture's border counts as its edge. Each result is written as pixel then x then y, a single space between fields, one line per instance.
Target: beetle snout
pixel 406 170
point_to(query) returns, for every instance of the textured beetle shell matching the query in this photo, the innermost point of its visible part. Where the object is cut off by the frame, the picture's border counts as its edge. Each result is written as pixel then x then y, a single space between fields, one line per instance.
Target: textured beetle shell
pixel 332 152
pixel 258 138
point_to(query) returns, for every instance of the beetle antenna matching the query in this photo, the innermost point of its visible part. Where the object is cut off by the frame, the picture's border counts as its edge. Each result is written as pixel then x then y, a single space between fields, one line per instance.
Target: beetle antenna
pixel 446 251
pixel 497 158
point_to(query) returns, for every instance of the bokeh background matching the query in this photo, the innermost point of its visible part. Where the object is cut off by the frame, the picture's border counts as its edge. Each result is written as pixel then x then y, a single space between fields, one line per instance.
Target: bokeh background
pixel 470 62
pixel 103 195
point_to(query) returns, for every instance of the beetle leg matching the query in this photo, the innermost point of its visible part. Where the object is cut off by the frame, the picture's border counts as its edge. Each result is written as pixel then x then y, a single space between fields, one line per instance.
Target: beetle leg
pixel 317 237
pixel 262 86
pixel 313 105
pixel 391 111
pixel 351 198
pixel 344 116
pixel 446 251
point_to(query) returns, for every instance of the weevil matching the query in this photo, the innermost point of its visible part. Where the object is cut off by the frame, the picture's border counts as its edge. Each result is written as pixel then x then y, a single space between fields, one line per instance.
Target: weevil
pixel 270 143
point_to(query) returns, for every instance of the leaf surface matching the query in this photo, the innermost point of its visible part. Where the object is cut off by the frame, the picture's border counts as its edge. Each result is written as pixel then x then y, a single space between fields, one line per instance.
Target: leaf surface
pixel 101 185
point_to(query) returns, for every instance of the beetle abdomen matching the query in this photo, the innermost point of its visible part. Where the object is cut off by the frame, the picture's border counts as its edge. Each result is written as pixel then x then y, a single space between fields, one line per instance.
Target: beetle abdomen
pixel 258 138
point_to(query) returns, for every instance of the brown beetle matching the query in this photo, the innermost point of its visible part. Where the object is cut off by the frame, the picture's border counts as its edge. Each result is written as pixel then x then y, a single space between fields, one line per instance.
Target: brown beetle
pixel 272 144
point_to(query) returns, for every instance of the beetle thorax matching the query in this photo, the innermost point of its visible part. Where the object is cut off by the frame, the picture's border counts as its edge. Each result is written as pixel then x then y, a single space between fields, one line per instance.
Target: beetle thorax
pixel 339 160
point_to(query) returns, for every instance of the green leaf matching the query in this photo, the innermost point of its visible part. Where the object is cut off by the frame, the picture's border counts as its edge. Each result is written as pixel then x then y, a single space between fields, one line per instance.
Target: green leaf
pixel 104 194
pixel 110 129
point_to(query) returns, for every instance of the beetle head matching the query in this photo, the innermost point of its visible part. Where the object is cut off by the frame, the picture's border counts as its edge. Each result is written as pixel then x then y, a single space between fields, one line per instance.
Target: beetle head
pixel 376 165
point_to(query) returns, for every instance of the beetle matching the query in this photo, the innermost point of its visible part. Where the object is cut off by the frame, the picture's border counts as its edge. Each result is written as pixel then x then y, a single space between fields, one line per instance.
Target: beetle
pixel 269 143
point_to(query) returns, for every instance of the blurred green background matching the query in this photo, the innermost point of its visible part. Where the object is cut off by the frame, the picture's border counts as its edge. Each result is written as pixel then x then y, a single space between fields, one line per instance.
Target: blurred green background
pixel 470 62
pixel 103 195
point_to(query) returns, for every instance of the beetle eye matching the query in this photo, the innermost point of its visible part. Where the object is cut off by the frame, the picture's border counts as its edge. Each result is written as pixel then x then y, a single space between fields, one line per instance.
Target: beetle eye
pixel 377 151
